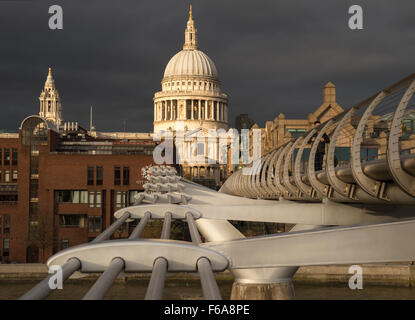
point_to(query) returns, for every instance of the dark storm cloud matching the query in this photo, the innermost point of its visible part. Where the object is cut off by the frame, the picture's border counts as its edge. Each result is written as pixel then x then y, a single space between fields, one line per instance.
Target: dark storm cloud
pixel 272 56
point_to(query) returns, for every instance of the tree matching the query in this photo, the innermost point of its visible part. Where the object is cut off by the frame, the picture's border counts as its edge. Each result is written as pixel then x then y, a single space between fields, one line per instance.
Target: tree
pixel 41 234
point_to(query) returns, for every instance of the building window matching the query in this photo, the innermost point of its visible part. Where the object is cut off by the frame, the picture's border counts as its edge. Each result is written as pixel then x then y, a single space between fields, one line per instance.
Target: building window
pixel 6 247
pixel 33 212
pixel 98 199
pixel 131 195
pixel 34 165
pixel 65 244
pixel 72 220
pixel 14 156
pixel 34 188
pixel 121 199
pixel 91 199
pixel 71 196
pixel 94 224
pixel 117 176
pixel 201 149
pixel 6 223
pixel 8 198
pixel 95 199
pixel 14 176
pixel 90 175
pixel 6 157
pixel 6 176
pixel 126 176
pixel 99 176
pixel 295 133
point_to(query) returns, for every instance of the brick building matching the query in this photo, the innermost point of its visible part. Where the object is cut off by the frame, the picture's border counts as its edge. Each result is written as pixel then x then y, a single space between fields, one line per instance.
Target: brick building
pixel 60 183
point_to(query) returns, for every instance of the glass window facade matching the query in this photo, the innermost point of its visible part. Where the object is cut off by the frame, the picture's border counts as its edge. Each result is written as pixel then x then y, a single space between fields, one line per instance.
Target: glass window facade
pixel 100 175
pixel 71 196
pixel 117 175
pixel 90 176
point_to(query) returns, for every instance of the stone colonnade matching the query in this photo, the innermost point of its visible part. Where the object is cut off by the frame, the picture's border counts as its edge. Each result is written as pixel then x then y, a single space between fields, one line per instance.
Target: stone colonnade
pixel 195 109
pixel 204 171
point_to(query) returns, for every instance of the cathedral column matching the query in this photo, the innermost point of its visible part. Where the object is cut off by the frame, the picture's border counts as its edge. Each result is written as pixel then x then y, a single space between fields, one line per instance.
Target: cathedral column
pixel 217 110
pixel 168 110
pixel 155 111
pixel 199 110
pixel 221 111
pixel 206 110
pixel 177 109
pixel 191 108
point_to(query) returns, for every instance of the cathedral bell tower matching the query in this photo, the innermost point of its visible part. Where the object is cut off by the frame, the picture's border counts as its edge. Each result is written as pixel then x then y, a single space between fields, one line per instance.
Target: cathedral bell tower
pixel 50 103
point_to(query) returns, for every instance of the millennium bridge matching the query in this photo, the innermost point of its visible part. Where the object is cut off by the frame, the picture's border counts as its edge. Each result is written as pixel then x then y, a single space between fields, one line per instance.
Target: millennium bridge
pixel 352 211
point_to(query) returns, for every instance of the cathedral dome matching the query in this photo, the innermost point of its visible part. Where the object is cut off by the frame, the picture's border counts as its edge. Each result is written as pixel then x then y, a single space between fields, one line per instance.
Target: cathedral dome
pixel 191 63
pixel 190 90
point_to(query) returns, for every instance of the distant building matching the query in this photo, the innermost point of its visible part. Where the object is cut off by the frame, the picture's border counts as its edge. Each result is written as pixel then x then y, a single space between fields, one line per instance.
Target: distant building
pixel 374 143
pixel 243 122
pixel 60 183
pixel 281 129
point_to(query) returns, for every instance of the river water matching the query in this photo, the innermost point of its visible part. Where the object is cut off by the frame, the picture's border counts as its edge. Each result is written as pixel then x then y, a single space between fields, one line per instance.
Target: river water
pixel 183 290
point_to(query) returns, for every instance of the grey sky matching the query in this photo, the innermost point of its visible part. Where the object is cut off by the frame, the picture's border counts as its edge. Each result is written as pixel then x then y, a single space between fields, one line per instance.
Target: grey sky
pixel 272 56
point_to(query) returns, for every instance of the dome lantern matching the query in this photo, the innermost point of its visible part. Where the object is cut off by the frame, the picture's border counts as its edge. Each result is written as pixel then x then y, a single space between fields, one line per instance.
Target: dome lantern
pixel 190 34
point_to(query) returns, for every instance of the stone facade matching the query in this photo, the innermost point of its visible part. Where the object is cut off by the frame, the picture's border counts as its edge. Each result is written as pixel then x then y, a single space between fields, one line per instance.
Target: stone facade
pixel 281 130
pixel 191 99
